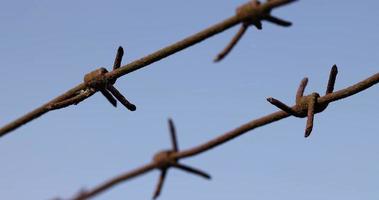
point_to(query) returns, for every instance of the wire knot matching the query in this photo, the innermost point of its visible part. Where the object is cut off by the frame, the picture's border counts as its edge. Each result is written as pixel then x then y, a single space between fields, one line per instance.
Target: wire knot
pixel 164 159
pixel 303 103
pixel 249 13
pixel 307 106
pixel 97 79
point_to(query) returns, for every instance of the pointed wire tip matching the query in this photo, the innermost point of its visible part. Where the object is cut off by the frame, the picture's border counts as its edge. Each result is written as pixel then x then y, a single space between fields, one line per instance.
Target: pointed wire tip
pixel 132 107
pixel 302 86
pixel 208 177
pixel 170 121
pixel 278 3
pixel 218 58
pixel 270 99
pixel 273 101
pixel 289 1
pixel 192 170
pixel 332 79
pixel 308 132
pixel 120 50
pixel 334 69
pixel 232 43
pixel 205 176
pixel 159 187
pixel 278 21
pixel 118 59
pixel 258 25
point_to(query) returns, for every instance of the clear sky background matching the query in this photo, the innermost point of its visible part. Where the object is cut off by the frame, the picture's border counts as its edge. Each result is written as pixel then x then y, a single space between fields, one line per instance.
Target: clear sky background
pixel 46 47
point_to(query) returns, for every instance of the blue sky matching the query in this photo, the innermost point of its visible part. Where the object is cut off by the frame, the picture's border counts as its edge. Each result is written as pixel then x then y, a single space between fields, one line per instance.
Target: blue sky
pixel 48 46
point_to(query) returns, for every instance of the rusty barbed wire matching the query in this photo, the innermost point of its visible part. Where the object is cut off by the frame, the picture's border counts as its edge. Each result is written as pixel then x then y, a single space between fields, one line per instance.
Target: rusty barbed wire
pixel 97 81
pixel 262 13
pixel 166 159
pixel 102 80
pixel 307 106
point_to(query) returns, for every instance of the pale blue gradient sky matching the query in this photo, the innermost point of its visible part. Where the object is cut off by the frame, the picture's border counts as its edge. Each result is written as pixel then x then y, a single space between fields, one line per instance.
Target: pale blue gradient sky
pixel 47 46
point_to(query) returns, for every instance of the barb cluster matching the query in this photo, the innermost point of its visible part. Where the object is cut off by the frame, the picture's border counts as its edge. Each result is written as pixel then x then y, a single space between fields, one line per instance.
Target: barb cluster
pixel 165 160
pixel 307 106
pixel 97 80
pixel 253 13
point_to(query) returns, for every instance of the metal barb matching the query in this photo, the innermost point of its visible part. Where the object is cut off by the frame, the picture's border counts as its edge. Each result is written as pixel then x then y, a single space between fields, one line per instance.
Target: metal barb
pixel 121 98
pixel 271 4
pixel 311 114
pixel 160 183
pixel 191 170
pixel 307 106
pixel 332 79
pixel 99 81
pixel 253 13
pixel 118 59
pixel 231 44
pixel 109 97
pixel 164 160
pixel 301 89
pixel 282 106
pixel 174 141
pixel 258 25
pixel 278 21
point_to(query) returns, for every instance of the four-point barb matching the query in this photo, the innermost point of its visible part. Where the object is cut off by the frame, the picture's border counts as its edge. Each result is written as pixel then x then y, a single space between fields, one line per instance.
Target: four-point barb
pixel 98 81
pixel 165 160
pixel 253 13
pixel 307 106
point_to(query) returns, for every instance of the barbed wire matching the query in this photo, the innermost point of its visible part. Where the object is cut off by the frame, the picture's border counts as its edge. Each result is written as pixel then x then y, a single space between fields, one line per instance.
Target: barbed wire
pixel 306 106
pixel 251 13
pixel 102 80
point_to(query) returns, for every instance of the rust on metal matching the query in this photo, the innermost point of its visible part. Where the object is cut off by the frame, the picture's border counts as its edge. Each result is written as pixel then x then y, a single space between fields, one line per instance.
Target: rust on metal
pixel 253 13
pixel 99 81
pixel 169 158
pixel 118 71
pixel 307 106
pixel 165 160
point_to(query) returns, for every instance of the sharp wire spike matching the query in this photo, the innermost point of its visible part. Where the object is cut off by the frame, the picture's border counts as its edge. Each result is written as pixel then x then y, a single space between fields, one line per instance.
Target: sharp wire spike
pixel 121 98
pixel 332 79
pixel 118 59
pixel 161 180
pixel 231 44
pixel 109 97
pixel 311 115
pixel 301 89
pixel 191 170
pixel 278 21
pixel 282 106
pixel 258 25
pixel 275 4
pixel 174 140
